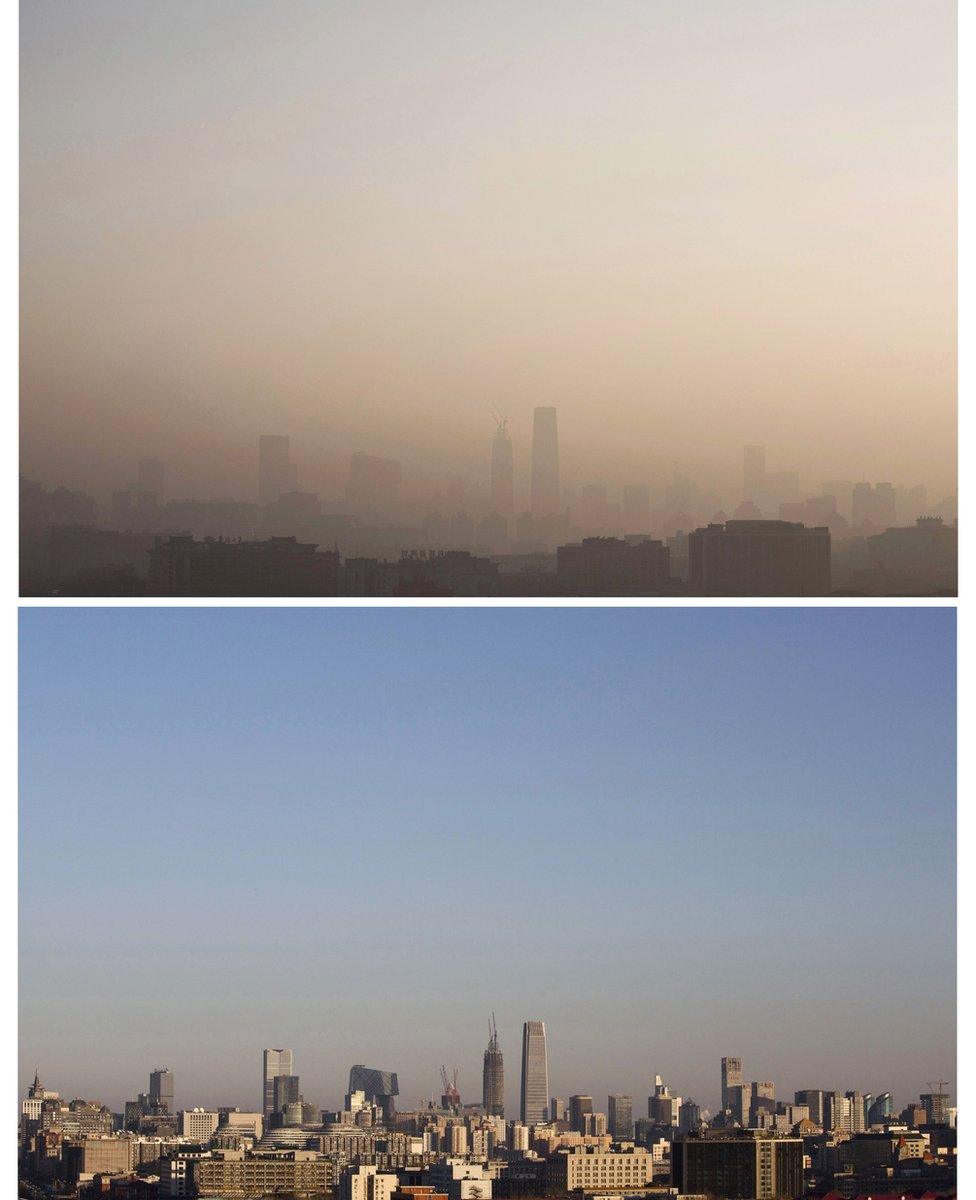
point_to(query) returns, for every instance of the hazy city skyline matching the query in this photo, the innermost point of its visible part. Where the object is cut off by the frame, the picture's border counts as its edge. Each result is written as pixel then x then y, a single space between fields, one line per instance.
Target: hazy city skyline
pixel 363 226
pixel 272 809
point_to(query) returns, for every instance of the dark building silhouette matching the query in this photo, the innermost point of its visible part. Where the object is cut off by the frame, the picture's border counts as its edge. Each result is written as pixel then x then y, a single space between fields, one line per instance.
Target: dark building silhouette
pixel 738 1164
pixel 912 560
pixel 759 558
pixel 545 464
pixel 493 1076
pixel 606 566
pixel 161 1091
pixel 502 471
pixel 182 566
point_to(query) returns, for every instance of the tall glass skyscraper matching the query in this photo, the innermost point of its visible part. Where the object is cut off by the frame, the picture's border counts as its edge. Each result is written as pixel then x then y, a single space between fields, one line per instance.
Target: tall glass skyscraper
pixel 276 1062
pixel 535 1073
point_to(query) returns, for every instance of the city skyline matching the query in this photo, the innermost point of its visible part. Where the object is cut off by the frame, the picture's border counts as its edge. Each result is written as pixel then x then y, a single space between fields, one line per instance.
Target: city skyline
pixel 686 227
pixel 263 770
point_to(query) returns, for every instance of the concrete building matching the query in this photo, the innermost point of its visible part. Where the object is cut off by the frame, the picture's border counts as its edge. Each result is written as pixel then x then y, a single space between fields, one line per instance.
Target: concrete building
pixel 535 1073
pixel 367 1183
pixel 731 1077
pixel 105 1155
pixel 459 1180
pixel 263 1173
pixel 738 1165
pixel 277 566
pixel 615 1168
pixel 493 1076
pixel 759 558
pixel 198 1124
pixel 609 566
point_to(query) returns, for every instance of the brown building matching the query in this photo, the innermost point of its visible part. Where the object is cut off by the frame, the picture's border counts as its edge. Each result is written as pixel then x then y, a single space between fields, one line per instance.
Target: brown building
pixel 278 566
pixel 237 1173
pixel 608 566
pixel 759 558
pixel 740 1164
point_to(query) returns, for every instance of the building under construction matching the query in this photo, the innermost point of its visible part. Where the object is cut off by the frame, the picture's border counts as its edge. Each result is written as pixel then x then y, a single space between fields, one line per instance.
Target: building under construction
pixel 493 1077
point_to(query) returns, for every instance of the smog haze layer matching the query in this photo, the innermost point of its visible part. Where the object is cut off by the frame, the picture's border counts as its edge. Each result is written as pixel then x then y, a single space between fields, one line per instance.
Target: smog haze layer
pixel 689 227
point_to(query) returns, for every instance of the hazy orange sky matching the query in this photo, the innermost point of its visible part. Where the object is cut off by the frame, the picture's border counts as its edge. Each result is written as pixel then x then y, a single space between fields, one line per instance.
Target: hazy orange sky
pixel 688 225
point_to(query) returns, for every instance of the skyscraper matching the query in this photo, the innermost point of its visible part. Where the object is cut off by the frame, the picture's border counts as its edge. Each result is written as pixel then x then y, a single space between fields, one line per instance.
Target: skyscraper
pixel 580 1107
pixel 502 471
pixel 731 1077
pixel 545 464
pixel 161 1090
pixel 620 1117
pixel 275 471
pixel 535 1073
pixel 493 1075
pixel 276 1062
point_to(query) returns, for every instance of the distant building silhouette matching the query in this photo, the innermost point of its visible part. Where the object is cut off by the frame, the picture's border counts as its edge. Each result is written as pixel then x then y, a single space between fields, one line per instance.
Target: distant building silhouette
pixel 502 471
pixel 182 566
pixel 753 473
pixel 636 508
pixel 535 1073
pixel 374 482
pixel 161 1091
pixel 545 498
pixel 759 558
pixel 606 566
pixel 275 471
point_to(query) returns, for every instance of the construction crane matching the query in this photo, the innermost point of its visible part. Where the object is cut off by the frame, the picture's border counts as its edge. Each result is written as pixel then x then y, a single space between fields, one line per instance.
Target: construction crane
pixel 451 1097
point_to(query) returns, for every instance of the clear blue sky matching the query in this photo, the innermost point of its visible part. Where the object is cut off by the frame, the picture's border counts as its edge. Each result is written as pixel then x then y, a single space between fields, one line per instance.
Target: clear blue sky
pixel 672 834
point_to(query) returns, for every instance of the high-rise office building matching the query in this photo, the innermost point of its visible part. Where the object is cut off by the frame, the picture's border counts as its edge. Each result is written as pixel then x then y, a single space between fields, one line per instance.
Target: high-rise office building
pixel 813 1098
pixel 535 1073
pixel 493 1075
pixel 738 1163
pixel 731 1077
pixel 276 475
pixel 580 1108
pixel 881 1109
pixel 502 472
pixel 379 1087
pixel 936 1105
pixel 276 1062
pixel 285 1090
pixel 620 1117
pixel 545 464
pixel 557 1109
pixel 161 1090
